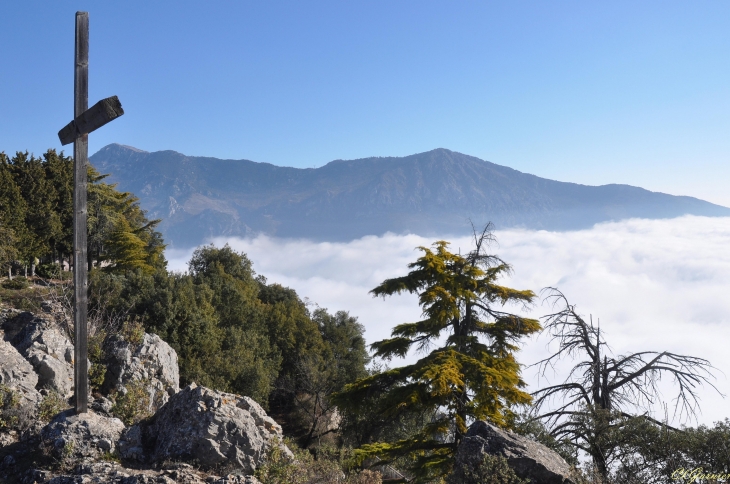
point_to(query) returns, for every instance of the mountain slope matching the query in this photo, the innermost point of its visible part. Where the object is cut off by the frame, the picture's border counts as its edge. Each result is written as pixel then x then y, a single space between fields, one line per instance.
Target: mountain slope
pixel 430 193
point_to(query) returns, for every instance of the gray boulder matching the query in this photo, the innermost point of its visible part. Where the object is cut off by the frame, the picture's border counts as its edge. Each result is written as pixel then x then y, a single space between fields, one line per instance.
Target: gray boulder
pixel 529 459
pixel 210 427
pixel 16 373
pixel 45 346
pixel 152 363
pixel 84 436
pixel 113 473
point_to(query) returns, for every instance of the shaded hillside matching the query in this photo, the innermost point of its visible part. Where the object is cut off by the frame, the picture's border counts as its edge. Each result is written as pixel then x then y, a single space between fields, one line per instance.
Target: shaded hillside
pixel 436 192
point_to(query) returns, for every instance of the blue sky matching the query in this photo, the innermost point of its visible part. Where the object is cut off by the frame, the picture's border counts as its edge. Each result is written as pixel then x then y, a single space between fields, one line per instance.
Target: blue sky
pixel 595 93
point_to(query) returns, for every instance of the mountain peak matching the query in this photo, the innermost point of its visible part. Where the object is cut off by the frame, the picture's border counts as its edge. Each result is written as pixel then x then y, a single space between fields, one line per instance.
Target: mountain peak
pixel 116 147
pixel 431 193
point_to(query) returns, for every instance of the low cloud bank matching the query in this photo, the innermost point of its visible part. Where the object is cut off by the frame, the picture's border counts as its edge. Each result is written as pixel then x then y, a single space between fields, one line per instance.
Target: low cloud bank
pixel 654 284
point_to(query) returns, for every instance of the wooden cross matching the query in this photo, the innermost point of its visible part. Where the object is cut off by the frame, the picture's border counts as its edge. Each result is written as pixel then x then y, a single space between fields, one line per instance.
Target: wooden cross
pixel 77 131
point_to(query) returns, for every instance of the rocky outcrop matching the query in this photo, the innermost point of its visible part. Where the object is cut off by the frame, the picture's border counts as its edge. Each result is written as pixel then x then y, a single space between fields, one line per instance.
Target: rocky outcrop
pixel 111 473
pixel 45 347
pixel 210 427
pixel 214 430
pixel 17 374
pixel 529 459
pixel 86 436
pixel 152 363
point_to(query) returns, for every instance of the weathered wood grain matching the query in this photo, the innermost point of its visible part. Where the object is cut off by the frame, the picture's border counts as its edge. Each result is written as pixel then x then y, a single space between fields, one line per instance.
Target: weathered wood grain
pixel 92 119
pixel 81 155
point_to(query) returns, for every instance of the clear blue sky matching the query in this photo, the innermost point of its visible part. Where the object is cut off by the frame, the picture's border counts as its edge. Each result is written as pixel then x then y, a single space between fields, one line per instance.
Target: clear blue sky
pixel 590 92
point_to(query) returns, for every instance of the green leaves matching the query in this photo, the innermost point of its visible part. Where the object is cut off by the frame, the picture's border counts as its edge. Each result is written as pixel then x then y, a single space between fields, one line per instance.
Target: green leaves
pixel 473 374
pixel 36 203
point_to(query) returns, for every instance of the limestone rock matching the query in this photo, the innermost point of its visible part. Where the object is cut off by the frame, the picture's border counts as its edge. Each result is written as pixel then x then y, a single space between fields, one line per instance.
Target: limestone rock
pixel 84 436
pixel 17 374
pixel 152 362
pixel 45 346
pixel 529 459
pixel 112 473
pixel 210 427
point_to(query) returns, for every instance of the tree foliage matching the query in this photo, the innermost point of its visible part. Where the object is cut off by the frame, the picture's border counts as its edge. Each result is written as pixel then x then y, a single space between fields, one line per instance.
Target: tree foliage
pixel 472 374
pixel 234 332
pixel 36 207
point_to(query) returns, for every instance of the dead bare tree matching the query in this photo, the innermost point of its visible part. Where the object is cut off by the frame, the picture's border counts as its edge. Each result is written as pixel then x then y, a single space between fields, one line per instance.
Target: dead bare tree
pixel 602 393
pixel 103 319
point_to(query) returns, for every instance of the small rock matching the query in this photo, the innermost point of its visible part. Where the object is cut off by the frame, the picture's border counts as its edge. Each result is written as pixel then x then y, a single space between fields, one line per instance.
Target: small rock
pixel 87 435
pixel 102 406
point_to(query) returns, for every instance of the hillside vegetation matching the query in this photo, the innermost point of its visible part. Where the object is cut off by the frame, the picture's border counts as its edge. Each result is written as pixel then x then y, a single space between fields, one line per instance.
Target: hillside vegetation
pixel 232 329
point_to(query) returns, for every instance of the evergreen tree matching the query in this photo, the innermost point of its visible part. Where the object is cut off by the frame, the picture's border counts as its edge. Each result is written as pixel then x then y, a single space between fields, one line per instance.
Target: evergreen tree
pixel 120 236
pixel 12 214
pixel 247 360
pixel 42 223
pixel 59 170
pixel 472 374
pixel 8 253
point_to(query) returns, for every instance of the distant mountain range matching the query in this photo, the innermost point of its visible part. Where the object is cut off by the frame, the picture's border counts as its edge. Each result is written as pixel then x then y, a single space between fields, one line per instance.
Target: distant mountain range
pixel 432 193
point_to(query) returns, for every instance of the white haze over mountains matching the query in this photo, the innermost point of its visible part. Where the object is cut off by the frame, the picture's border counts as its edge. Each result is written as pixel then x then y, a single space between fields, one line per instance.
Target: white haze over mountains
pixel 654 285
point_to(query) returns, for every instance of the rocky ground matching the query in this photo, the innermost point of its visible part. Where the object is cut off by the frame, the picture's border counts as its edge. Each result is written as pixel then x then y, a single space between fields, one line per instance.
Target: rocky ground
pixel 142 428
pixel 193 435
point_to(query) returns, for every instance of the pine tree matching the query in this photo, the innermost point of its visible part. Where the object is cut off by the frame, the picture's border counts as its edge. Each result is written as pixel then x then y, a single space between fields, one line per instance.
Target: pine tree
pixel 472 374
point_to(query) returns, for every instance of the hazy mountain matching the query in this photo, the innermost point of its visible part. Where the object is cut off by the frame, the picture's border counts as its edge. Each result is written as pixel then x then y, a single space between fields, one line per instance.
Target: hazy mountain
pixel 428 193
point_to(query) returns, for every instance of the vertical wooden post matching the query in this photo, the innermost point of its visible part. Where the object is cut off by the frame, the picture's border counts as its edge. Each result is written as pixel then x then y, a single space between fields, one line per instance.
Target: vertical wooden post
pixel 81 155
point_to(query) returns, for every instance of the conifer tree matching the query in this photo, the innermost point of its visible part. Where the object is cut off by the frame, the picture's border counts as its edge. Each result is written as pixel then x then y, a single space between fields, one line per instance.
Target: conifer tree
pixel 41 221
pixel 8 253
pixel 59 171
pixel 12 213
pixel 120 235
pixel 472 374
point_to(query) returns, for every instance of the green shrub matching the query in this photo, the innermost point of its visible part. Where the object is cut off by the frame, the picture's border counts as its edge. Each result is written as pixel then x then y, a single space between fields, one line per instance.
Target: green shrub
pixel 97 372
pixel 49 271
pixel 51 405
pixel 17 283
pixel 134 405
pixel 491 469
pixel 326 468
pixel 9 405
pixel 133 331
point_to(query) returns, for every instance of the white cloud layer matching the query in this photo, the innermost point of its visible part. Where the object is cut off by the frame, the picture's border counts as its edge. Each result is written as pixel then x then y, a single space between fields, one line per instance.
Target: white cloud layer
pixel 654 284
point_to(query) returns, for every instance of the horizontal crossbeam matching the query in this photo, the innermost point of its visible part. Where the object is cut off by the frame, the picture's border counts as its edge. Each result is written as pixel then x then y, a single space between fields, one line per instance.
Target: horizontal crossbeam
pixel 93 118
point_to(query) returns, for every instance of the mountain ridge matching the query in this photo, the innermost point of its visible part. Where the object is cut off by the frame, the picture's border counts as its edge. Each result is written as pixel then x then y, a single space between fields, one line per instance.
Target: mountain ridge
pixel 431 193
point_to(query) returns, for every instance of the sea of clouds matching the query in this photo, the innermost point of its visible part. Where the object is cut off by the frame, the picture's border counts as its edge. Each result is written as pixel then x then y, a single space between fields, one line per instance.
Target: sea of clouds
pixel 654 284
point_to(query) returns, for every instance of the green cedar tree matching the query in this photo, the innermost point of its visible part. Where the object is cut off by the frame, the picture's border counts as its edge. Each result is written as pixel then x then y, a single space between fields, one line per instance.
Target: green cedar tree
pixel 472 374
